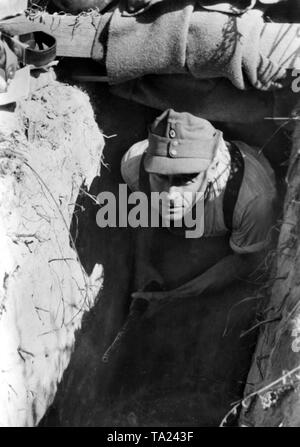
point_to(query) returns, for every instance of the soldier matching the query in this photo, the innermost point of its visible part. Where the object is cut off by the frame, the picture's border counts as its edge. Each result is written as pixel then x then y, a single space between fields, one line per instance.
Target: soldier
pixel 186 154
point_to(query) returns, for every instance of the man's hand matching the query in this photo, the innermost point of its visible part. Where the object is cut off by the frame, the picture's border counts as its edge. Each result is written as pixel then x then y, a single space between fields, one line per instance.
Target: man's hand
pixel 159 299
pixel 8 65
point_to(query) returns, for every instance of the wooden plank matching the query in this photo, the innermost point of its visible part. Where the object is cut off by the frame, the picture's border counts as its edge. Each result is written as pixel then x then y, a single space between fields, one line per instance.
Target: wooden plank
pixel 12 7
pixel 75 34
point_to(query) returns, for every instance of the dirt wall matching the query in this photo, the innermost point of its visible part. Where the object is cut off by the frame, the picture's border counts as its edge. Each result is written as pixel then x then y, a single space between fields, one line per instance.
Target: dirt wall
pixel 50 150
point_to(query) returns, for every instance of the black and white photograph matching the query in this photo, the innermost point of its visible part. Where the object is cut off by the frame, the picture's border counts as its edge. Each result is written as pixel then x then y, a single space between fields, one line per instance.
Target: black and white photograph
pixel 149 216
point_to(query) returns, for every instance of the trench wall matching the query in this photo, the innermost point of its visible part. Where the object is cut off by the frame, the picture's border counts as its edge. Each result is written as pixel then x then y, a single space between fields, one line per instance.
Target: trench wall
pixel 50 151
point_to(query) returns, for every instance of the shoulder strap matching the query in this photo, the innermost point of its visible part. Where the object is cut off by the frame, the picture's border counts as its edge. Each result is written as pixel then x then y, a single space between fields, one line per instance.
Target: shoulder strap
pixel 233 184
pixel 144 184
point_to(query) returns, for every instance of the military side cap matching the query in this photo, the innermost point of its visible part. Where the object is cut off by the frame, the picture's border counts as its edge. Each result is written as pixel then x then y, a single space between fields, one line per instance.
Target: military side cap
pixel 180 143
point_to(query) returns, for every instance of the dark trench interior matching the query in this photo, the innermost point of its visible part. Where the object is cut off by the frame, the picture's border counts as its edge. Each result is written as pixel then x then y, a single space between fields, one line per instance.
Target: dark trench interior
pixel 185 365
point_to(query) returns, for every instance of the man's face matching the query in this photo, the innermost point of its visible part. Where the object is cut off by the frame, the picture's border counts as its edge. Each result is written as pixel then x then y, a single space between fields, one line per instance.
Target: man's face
pixel 180 192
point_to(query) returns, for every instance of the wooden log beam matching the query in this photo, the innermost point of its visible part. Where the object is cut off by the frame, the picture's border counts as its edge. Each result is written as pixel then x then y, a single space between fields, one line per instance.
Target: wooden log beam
pixel 74 34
